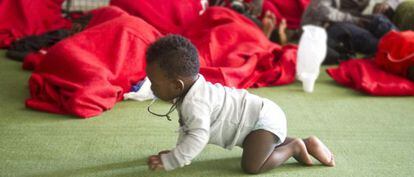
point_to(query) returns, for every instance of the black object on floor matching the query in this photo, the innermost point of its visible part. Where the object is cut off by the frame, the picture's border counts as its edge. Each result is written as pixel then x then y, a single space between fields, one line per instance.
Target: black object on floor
pixel 20 48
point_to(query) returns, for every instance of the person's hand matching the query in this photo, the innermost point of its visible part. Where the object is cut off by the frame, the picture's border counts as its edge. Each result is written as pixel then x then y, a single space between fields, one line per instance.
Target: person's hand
pixel 381 8
pixel 268 21
pixel 155 163
pixel 282 26
pixel 283 40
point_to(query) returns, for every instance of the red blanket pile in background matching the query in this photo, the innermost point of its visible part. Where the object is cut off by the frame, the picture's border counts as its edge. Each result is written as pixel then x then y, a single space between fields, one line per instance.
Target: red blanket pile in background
pixel 290 10
pixel 88 73
pixel 20 18
pixel 386 75
pixel 235 52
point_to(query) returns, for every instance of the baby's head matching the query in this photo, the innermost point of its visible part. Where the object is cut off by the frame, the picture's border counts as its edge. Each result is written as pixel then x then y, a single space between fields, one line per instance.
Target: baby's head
pixel 172 66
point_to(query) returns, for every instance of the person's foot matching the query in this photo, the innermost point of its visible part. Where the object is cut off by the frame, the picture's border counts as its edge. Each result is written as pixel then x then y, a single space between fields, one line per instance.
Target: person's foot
pixel 318 150
pixel 269 22
pixel 301 153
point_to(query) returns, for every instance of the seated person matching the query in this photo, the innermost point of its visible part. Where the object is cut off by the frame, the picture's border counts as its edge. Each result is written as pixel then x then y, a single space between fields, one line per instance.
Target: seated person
pixel 348 30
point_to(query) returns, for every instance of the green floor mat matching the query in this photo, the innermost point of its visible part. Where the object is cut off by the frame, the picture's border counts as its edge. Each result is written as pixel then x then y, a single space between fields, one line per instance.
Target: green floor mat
pixel 370 136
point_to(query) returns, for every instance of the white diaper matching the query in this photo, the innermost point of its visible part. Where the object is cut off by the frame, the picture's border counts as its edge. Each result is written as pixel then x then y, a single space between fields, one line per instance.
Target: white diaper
pixel 272 119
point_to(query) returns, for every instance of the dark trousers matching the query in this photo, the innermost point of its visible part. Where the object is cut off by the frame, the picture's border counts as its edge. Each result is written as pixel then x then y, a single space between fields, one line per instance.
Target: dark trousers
pixel 347 39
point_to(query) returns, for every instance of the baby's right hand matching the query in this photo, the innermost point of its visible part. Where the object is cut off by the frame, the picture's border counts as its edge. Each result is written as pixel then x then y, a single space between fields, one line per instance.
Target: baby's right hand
pixel 155 163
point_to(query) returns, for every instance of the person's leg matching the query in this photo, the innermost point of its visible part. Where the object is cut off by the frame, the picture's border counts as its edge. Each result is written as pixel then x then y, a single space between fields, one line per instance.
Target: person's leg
pixel 362 40
pixel 315 148
pixel 260 153
pixel 339 47
pixel 350 38
pixel 332 57
pixel 319 150
pixel 380 25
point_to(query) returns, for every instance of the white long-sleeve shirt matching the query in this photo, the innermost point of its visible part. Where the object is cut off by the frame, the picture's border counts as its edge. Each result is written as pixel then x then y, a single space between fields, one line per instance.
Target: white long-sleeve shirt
pixel 212 114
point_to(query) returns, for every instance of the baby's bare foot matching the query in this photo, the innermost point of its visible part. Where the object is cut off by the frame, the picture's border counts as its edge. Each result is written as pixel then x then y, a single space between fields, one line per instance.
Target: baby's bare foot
pixel 301 153
pixel 318 150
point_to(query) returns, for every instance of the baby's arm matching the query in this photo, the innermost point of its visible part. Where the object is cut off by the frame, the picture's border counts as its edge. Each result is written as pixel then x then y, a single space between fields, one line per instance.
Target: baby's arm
pixel 194 135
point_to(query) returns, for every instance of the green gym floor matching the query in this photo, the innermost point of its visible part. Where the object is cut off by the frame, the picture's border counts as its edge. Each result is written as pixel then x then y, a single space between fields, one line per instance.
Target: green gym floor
pixel 370 136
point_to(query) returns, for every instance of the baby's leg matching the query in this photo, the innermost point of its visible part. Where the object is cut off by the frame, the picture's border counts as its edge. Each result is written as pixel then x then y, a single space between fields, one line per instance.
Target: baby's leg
pixel 260 153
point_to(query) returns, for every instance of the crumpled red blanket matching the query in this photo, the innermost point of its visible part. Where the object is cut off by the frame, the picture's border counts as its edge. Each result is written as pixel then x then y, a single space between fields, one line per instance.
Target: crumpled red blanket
pixel 396 52
pixel 233 50
pixel 20 18
pixel 168 16
pixel 367 77
pixel 386 75
pixel 88 73
pixel 236 53
pixel 291 10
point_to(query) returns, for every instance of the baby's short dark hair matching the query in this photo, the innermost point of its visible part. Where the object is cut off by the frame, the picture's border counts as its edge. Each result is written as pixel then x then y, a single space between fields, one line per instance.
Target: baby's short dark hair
pixel 175 54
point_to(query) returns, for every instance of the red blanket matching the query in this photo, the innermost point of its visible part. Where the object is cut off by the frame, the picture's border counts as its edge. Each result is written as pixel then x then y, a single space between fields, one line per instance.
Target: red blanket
pixel 291 10
pixel 88 73
pixel 236 53
pixel 20 18
pixel 101 15
pixel 396 52
pixel 386 75
pixel 365 76
pixel 168 16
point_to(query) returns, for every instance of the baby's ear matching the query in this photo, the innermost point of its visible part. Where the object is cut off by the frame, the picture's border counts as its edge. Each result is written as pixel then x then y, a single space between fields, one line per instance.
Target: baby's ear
pixel 179 84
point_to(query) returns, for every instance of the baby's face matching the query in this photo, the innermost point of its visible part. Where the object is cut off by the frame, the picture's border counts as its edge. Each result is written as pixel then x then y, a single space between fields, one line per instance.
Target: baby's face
pixel 163 87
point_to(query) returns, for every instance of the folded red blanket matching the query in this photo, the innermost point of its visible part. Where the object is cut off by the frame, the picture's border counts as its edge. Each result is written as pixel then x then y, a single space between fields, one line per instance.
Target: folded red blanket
pixel 20 18
pixel 236 53
pixel 291 10
pixel 167 16
pixel 88 73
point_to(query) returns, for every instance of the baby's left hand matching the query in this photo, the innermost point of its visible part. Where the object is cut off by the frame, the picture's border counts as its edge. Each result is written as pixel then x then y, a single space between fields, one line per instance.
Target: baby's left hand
pixel 155 163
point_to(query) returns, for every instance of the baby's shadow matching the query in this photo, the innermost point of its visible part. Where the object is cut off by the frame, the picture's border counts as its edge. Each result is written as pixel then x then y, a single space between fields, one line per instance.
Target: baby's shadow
pixel 111 168
pixel 216 167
